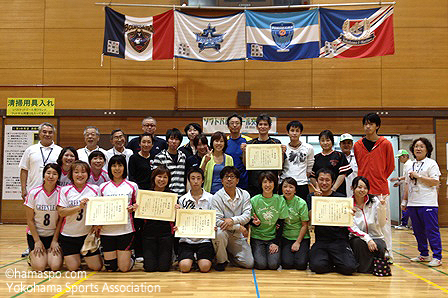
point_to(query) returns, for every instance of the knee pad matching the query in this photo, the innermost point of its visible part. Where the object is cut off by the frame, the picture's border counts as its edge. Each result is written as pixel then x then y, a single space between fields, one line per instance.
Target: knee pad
pixel 111 265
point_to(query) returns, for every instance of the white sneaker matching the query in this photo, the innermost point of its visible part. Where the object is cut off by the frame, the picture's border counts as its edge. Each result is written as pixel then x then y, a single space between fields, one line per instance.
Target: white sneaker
pixel 435 262
pixel 421 259
pixel 400 227
pixel 139 260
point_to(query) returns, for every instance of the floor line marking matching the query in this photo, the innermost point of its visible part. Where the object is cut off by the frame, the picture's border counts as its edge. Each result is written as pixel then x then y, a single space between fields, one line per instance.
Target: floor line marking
pixel 74 284
pixel 255 282
pixel 422 278
pixel 421 263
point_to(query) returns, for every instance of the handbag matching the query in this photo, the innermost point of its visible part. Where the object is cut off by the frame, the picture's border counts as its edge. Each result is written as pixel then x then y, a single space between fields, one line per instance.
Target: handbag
pixel 381 267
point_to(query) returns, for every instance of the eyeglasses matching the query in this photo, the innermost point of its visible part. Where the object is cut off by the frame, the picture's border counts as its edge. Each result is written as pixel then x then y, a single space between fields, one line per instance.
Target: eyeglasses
pixel 149 125
pixel 231 177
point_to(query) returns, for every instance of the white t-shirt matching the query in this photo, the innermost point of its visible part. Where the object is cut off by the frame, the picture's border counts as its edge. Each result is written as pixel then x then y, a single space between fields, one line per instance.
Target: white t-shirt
pixel 45 213
pixel 125 188
pixel 126 153
pixel 63 180
pixel 188 202
pixel 34 160
pixel 421 195
pixel 349 179
pixel 75 225
pixel 83 154
pixel 298 162
pixel 103 177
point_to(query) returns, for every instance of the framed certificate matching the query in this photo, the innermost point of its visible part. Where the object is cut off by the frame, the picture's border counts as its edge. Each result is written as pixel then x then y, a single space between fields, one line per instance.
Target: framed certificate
pixel 331 211
pixel 156 205
pixel 264 157
pixel 194 223
pixel 107 211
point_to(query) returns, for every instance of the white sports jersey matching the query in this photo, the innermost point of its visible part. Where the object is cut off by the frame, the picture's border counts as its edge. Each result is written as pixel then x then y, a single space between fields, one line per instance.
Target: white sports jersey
pixel 125 188
pixel 127 153
pixel 63 180
pixel 45 213
pixel 75 225
pixel 421 195
pixel 83 154
pixel 103 177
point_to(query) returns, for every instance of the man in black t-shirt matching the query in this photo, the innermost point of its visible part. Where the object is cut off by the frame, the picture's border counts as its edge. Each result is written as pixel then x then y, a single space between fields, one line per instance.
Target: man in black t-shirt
pixel 149 125
pixel 331 250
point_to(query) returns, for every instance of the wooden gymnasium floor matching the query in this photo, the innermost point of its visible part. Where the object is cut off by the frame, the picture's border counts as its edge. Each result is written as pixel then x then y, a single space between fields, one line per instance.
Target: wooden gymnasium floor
pixel 408 280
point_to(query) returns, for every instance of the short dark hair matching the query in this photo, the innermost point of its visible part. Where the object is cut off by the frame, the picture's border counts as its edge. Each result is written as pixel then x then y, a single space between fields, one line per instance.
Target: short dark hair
pixel 216 136
pixel 427 143
pixel 82 164
pixel 96 153
pixel 264 117
pixel 202 138
pixel 291 181
pixel 65 149
pixel 328 134
pixel 269 176
pixel 195 170
pixel 372 118
pixel 233 116
pixel 54 166
pixel 355 184
pixel 161 169
pixel 194 125
pixel 295 123
pixel 140 137
pixel 230 170
pixel 174 132
pixel 116 130
pixel 120 159
pixel 326 171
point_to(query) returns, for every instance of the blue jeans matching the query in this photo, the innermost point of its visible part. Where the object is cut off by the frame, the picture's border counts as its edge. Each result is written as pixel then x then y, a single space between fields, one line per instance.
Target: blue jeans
pixel 263 259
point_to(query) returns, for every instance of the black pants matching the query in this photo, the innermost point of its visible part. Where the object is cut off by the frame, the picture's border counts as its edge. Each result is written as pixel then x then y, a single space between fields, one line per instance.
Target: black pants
pixel 157 252
pixel 295 260
pixel 328 256
pixel 302 191
pixel 138 240
pixel 364 256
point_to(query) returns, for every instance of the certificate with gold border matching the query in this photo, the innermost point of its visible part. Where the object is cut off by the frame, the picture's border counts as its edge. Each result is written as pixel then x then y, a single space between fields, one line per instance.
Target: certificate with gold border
pixel 194 223
pixel 156 205
pixel 103 211
pixel 264 157
pixel 331 211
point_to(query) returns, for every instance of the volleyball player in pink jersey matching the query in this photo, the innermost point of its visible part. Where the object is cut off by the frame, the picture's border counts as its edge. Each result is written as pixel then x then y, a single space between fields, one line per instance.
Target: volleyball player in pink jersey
pixel 72 206
pixel 44 222
pixel 98 176
pixel 117 240
pixel 65 160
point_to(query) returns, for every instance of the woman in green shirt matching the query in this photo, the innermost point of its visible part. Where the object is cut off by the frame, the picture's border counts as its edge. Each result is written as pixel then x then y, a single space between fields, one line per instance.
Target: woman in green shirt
pixel 295 241
pixel 268 210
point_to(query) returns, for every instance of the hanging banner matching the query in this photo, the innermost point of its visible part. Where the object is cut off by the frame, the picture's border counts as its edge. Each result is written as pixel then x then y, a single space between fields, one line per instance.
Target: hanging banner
pixel 282 36
pixel 30 107
pixel 249 125
pixel 357 33
pixel 215 39
pixel 17 139
pixel 140 39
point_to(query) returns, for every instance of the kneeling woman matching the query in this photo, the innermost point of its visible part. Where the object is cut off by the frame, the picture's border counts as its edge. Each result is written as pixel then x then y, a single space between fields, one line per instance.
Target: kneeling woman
pixel 72 205
pixel 117 239
pixel 268 209
pixel 44 222
pixel 296 238
pixel 367 240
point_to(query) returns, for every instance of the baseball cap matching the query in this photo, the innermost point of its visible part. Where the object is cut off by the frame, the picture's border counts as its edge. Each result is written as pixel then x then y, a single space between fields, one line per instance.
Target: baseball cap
pixel 402 152
pixel 345 136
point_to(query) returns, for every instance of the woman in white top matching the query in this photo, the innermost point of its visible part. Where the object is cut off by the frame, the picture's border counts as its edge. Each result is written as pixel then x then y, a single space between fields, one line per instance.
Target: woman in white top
pixel 367 239
pixel 72 205
pixel 43 221
pixel 422 180
pixel 117 240
pixel 65 160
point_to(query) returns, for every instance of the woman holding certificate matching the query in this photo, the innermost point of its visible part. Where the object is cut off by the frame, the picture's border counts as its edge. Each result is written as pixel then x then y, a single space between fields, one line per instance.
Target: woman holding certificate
pixel 43 222
pixel 72 205
pixel 268 210
pixel 367 239
pixel 117 239
pixel 157 234
pixel 214 161
pixel 295 242
pixel 67 156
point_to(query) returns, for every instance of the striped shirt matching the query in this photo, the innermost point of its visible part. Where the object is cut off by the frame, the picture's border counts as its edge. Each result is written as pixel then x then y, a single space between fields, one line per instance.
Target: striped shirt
pixel 177 169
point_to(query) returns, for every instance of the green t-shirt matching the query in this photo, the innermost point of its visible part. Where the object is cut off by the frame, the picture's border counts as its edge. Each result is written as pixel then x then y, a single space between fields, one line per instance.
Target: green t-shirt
pixel 268 210
pixel 298 212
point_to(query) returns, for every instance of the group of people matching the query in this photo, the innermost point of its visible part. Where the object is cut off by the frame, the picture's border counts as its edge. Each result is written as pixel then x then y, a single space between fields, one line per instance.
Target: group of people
pixel 262 217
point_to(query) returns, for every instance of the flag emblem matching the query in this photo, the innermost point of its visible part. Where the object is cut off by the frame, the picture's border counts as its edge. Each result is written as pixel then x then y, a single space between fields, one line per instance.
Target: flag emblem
pixel 282 33
pixel 357 32
pixel 139 39
pixel 208 39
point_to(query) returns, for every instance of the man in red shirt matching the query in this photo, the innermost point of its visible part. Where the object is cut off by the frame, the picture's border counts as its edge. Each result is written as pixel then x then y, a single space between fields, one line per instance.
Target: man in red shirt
pixel 375 158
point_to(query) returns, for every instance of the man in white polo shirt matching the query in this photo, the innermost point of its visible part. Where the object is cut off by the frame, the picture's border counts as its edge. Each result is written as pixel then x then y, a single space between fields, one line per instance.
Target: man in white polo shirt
pixel 118 141
pixel 91 137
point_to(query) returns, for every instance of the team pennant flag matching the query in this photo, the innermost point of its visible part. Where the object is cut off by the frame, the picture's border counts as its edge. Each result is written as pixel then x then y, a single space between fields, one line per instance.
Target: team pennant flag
pixel 142 39
pixel 357 33
pixel 215 39
pixel 282 36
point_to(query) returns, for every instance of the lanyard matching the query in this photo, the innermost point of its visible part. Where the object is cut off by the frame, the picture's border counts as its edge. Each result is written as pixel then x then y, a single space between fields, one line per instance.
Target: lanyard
pixel 44 160
pixel 119 153
pixel 417 169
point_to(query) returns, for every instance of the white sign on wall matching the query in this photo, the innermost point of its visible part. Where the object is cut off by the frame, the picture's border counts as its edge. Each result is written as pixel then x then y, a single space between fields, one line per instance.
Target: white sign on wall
pixel 249 125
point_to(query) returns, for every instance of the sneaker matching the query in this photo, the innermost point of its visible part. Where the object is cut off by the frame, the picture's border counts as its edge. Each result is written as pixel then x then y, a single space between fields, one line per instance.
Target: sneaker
pixel 26 252
pixel 401 227
pixel 435 262
pixel 421 259
pixel 221 266
pixel 139 260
